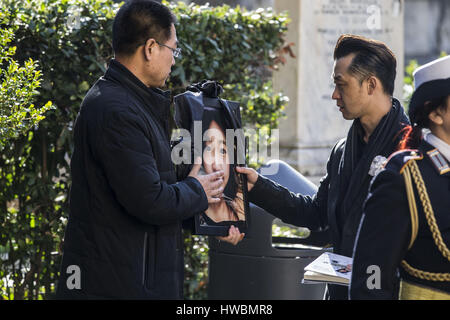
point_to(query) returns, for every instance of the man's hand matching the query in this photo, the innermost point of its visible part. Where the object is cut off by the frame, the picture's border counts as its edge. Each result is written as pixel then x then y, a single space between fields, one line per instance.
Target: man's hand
pixel 234 236
pixel 211 183
pixel 252 176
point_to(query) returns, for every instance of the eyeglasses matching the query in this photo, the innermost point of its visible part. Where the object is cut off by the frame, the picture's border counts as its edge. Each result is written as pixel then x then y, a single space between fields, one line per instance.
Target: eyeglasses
pixel 175 51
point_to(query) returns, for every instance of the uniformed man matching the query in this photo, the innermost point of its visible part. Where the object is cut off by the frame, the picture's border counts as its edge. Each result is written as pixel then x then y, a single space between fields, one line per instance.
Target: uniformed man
pixel 406 222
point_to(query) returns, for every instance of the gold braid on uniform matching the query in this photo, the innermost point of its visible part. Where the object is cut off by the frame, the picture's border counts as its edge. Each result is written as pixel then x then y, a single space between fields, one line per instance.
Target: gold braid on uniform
pixel 412 205
pixel 412 168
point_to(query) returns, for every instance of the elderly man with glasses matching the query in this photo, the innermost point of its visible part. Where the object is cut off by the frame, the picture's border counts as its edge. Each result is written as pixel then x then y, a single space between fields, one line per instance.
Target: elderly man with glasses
pixel 123 238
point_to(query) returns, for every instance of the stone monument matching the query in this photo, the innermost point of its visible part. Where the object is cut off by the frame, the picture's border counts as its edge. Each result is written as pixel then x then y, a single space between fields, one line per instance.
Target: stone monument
pixel 314 123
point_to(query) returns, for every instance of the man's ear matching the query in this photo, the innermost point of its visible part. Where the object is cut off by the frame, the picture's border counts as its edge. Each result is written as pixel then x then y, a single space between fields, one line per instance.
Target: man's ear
pixel 435 117
pixel 148 48
pixel 372 84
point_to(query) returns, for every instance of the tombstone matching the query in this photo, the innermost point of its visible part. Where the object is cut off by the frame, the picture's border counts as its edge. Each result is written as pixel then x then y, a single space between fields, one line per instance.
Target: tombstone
pixel 314 123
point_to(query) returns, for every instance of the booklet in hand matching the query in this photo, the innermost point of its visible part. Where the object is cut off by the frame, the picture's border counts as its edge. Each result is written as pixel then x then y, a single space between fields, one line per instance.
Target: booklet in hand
pixel 329 268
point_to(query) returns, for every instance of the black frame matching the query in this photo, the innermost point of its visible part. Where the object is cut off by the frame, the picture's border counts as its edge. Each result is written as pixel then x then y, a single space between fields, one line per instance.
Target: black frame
pixel 210 228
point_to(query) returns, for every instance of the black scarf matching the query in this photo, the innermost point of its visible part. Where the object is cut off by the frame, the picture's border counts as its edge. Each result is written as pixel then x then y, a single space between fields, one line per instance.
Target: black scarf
pixel 354 178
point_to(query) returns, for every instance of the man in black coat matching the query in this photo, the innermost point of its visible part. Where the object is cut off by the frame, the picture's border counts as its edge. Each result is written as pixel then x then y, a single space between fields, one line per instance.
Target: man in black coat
pixel 123 238
pixel 364 74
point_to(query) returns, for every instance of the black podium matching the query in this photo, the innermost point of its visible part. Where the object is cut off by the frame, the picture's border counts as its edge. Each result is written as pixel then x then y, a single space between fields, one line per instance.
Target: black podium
pixel 261 267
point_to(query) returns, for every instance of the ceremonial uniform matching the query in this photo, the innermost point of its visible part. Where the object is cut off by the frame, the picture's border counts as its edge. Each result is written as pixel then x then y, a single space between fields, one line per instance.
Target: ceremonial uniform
pixel 126 206
pixel 401 244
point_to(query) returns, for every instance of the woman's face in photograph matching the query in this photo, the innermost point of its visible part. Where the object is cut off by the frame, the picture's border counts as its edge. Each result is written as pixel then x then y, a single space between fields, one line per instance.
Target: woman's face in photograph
pixel 215 154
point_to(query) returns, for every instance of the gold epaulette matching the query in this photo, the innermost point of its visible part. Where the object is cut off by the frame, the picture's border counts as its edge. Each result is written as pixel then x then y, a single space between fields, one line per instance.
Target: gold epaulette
pixel 412 155
pixel 411 172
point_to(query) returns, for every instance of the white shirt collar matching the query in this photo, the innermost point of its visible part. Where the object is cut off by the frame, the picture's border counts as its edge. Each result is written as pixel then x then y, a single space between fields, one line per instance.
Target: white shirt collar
pixel 441 145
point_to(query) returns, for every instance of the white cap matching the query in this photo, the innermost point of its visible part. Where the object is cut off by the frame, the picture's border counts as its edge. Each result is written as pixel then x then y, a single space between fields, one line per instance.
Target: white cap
pixel 434 70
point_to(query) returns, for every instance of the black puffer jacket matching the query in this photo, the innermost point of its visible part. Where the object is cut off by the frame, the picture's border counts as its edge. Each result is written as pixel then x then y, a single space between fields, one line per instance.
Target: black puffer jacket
pixel 126 208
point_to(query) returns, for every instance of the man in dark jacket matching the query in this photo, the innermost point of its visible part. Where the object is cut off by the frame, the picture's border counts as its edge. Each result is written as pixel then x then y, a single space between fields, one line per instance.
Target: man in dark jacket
pixel 364 74
pixel 123 238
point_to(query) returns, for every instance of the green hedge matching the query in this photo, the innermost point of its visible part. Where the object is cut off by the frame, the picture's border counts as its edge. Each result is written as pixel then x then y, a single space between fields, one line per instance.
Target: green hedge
pixel 71 41
pixel 18 87
pixel 236 47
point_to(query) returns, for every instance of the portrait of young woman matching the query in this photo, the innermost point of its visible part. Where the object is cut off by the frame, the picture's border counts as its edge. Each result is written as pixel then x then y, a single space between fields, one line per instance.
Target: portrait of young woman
pixel 217 156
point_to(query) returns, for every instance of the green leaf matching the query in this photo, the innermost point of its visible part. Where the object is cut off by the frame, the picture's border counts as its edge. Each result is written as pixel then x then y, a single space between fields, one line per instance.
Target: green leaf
pixel 40 100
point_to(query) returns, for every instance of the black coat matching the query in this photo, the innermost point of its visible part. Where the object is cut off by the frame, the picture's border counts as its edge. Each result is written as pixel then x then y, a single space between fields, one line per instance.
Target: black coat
pixel 126 208
pixel 337 205
pixel 386 229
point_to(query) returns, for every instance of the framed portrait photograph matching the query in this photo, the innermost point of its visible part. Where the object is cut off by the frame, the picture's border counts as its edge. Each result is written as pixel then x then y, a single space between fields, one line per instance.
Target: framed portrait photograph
pixel 220 152
pixel 213 132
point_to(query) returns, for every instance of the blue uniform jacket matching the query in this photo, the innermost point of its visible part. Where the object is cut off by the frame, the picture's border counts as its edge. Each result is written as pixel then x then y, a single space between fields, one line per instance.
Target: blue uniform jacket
pixel 385 228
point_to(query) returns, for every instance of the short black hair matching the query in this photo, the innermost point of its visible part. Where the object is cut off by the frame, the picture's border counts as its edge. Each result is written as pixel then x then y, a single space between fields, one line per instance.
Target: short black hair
pixel 372 58
pixel 138 20
pixel 419 117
